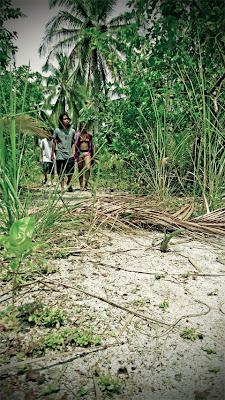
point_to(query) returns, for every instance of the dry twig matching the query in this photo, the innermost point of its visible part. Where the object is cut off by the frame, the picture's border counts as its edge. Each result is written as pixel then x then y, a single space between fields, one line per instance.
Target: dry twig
pixel 75 355
pixel 136 314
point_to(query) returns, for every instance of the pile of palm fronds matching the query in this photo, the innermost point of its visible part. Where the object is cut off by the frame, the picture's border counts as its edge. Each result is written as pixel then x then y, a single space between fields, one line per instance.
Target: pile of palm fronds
pixel 140 211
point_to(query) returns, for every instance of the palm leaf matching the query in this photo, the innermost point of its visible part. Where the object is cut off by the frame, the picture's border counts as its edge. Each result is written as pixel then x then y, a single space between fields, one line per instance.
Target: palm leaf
pixel 121 20
pixel 28 125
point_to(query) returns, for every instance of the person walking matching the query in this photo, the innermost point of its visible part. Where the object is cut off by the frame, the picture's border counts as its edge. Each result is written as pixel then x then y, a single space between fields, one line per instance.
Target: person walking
pixel 47 162
pixel 63 140
pixel 83 150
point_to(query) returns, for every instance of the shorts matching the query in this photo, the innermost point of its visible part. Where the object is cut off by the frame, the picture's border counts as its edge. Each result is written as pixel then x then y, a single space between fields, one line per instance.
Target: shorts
pixel 48 167
pixel 83 155
pixel 65 167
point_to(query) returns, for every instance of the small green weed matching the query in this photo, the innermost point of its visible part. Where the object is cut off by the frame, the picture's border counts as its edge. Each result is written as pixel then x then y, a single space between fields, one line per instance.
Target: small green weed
pixel 109 384
pixel 209 351
pixel 81 392
pixel 34 313
pixel 18 245
pixel 167 238
pixel 27 309
pixel 82 338
pixel 185 275
pixel 53 340
pixel 61 339
pixel 22 369
pixel 139 302
pixel 39 314
pixel 8 318
pixel 48 317
pixel 164 305
pixel 50 389
pixel 134 290
pixel 214 370
pixel 7 277
pixel 61 254
pixel 51 269
pixel 190 334
pixel 27 272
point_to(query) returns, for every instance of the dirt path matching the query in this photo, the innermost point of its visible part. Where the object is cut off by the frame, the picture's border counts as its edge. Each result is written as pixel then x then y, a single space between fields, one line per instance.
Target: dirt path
pixel 149 303
pixel 153 359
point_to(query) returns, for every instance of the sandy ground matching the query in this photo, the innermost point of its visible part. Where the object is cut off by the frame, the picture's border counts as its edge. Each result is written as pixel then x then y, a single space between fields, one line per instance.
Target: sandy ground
pixel 168 293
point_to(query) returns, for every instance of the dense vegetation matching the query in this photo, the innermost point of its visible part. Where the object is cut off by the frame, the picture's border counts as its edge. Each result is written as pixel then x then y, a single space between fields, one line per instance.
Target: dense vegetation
pixel 148 82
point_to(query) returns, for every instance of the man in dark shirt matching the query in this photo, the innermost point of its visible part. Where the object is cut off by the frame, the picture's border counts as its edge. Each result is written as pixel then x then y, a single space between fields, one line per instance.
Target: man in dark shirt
pixel 62 146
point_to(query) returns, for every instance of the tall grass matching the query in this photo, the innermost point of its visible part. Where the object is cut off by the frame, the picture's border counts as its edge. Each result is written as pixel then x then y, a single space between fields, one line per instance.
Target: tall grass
pixel 188 161
pixel 153 160
pixel 16 133
pixel 208 156
pixel 158 153
pixel 11 154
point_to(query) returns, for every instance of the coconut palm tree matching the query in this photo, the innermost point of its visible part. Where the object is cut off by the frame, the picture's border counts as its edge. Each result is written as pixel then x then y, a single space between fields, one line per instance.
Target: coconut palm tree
pixel 87 34
pixel 57 84
pixel 64 89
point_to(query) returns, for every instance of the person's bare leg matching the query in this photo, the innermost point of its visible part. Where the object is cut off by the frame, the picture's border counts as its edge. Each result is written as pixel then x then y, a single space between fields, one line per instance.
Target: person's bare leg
pixel 88 170
pixel 80 170
pixel 52 179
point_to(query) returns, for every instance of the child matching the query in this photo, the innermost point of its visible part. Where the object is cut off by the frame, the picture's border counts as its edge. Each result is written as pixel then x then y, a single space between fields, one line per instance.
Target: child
pixel 47 162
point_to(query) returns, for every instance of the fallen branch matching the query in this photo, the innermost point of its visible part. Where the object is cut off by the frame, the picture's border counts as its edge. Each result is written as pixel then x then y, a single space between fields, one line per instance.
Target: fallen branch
pixel 84 353
pixel 118 268
pixel 190 261
pixel 98 393
pixel 111 303
pixel 185 317
pixel 127 322
pixel 19 287
pixel 178 320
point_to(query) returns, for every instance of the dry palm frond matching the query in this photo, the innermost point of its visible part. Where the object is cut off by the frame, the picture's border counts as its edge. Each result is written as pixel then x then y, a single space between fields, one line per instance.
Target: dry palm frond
pixel 219 215
pixel 185 212
pixel 140 211
pixel 27 124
